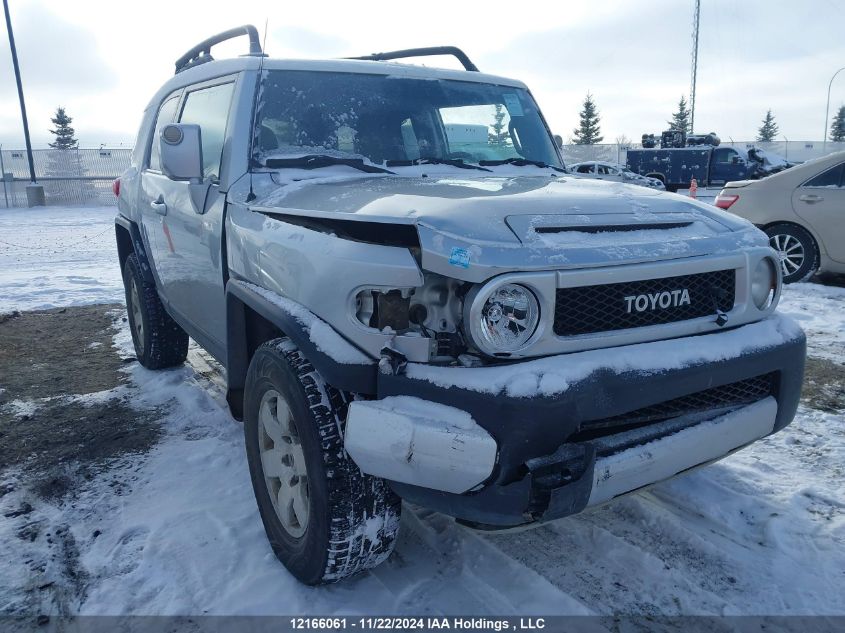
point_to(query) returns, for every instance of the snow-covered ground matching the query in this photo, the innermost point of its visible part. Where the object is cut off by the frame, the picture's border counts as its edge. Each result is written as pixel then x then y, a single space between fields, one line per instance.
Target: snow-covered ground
pixel 57 256
pixel 176 530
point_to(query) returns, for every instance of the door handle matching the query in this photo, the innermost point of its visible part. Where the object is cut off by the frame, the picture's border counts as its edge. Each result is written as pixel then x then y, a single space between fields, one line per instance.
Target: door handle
pixel 159 206
pixel 810 198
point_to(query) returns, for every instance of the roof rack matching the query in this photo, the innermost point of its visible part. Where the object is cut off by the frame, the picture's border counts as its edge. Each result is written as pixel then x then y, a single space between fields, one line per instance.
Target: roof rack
pixel 201 53
pixel 424 52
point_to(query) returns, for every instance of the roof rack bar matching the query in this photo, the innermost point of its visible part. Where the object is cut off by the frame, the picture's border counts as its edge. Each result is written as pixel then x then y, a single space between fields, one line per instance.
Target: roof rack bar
pixel 424 52
pixel 201 53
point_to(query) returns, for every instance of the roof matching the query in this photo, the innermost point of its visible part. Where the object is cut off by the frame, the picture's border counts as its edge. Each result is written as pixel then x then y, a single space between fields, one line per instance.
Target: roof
pixel 222 67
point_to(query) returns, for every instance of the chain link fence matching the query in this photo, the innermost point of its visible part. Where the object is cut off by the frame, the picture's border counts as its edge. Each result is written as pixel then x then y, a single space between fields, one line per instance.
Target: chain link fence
pixel 84 176
pixel 69 176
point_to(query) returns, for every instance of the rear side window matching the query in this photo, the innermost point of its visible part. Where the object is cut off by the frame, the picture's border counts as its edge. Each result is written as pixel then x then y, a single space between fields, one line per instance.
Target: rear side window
pixel 830 178
pixel 209 108
pixel 166 114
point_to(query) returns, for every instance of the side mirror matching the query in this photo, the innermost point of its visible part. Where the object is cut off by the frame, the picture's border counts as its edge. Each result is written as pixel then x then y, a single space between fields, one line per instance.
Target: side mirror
pixel 559 141
pixel 181 152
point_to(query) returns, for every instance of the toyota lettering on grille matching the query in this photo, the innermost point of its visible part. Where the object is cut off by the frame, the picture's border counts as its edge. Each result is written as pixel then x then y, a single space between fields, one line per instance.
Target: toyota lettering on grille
pixel 657 300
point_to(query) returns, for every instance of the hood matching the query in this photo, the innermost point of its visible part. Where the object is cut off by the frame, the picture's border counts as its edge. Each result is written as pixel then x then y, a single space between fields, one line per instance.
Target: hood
pixel 473 227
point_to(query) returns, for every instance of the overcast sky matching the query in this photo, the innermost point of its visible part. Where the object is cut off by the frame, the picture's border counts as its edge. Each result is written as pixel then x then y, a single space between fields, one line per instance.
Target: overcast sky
pixel 103 60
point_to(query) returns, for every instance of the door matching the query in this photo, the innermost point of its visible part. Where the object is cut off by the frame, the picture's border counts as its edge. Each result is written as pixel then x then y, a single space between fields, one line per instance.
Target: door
pixel 821 203
pixel 727 165
pixel 187 245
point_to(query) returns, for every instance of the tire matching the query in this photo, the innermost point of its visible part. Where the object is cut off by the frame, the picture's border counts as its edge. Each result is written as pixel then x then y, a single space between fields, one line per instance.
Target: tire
pixel 340 521
pixel 158 339
pixel 797 251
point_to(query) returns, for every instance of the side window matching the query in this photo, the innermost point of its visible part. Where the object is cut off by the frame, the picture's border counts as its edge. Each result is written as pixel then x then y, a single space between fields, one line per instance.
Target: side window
pixel 585 169
pixel 603 170
pixel 725 156
pixel 209 108
pixel 166 113
pixel 830 178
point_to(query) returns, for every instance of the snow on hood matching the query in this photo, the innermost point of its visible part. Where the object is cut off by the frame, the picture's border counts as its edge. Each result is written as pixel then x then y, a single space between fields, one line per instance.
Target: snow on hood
pixel 471 224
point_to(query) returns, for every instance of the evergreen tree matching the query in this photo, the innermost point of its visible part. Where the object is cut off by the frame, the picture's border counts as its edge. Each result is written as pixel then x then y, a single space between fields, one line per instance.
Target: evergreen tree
pixel 499 134
pixel 769 130
pixel 64 132
pixel 837 130
pixel 680 119
pixel 588 130
pixel 65 165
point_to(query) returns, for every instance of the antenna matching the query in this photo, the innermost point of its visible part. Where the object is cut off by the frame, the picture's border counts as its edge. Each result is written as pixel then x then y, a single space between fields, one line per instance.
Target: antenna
pixel 251 195
pixel 694 65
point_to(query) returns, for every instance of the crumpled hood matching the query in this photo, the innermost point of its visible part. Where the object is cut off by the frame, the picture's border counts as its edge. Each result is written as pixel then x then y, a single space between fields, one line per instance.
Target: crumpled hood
pixel 473 227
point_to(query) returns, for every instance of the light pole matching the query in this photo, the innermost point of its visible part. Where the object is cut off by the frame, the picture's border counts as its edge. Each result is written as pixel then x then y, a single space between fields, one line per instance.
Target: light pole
pixel 826 109
pixel 34 192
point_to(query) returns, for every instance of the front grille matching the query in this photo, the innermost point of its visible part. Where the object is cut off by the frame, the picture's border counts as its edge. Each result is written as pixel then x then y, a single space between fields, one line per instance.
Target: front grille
pixel 608 307
pixel 743 392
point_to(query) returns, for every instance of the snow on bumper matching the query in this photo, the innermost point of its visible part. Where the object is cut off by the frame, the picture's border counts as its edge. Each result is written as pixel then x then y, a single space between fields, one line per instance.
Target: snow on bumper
pixel 546 377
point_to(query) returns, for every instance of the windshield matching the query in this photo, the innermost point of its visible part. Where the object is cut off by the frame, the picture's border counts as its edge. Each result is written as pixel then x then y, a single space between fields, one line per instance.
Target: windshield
pixel 388 118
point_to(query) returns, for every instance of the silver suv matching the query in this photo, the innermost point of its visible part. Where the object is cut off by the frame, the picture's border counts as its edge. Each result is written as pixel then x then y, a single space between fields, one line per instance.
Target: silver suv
pixel 413 300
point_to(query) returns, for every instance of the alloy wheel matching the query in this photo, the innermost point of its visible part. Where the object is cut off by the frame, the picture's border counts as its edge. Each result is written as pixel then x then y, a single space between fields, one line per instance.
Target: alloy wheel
pixel 790 252
pixel 283 463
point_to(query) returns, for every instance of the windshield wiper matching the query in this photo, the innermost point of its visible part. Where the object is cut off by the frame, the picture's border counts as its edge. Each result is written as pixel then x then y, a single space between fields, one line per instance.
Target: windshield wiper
pixel 454 162
pixel 520 162
pixel 316 161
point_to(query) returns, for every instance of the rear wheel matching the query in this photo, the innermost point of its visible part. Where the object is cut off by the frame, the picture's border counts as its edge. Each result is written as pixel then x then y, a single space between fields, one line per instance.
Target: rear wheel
pixel 325 519
pixel 796 249
pixel 159 341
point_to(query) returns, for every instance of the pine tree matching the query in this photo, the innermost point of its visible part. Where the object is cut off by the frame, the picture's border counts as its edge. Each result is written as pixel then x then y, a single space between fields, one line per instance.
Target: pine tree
pixel 499 134
pixel 64 132
pixel 837 130
pixel 588 131
pixel 769 130
pixel 65 165
pixel 680 119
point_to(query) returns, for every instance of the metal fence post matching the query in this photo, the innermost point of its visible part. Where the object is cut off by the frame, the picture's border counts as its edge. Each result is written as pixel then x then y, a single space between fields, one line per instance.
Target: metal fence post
pixel 3 177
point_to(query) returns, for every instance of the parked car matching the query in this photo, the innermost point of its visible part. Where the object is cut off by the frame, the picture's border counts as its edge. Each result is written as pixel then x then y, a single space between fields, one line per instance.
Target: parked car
pixel 493 339
pixel 601 170
pixel 802 210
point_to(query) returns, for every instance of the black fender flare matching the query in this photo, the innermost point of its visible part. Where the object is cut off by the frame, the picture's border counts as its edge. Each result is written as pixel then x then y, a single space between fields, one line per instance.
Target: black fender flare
pixel 136 243
pixel 243 339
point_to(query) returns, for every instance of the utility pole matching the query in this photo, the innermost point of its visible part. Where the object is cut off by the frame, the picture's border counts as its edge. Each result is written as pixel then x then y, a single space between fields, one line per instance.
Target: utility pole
pixel 34 192
pixel 694 65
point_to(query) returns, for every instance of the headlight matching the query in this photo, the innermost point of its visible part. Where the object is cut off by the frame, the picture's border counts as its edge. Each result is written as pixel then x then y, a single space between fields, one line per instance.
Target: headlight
pixel 508 318
pixel 764 283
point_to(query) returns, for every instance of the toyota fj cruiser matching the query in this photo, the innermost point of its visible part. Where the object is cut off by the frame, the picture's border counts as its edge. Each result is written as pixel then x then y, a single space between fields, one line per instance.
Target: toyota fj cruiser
pixel 413 300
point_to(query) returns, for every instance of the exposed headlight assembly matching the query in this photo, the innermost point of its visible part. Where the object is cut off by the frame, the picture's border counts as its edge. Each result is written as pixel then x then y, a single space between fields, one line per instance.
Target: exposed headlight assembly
pixel 764 283
pixel 503 318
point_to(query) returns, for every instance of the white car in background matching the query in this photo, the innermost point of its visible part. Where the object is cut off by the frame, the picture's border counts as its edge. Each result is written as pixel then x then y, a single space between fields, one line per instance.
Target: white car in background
pixel 802 210
pixel 601 170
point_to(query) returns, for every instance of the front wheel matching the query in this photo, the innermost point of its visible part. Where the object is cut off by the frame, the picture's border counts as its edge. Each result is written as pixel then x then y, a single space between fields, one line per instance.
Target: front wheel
pixel 796 249
pixel 325 519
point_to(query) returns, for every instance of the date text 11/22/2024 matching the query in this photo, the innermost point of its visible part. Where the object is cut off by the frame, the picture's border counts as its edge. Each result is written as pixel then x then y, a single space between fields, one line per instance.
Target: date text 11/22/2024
pixel 420 624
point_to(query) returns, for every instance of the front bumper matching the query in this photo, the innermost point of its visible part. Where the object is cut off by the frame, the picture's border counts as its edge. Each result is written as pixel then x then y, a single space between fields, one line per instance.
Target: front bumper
pixel 544 467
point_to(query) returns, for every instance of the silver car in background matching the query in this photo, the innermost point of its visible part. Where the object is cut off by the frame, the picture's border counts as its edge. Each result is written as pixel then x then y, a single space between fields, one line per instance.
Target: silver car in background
pixel 601 170
pixel 802 210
